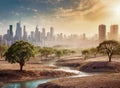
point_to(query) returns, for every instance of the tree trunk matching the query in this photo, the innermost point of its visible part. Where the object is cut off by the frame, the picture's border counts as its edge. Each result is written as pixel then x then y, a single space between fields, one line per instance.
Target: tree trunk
pixel 46 57
pixel 1 55
pixel 85 57
pixel 21 66
pixel 110 57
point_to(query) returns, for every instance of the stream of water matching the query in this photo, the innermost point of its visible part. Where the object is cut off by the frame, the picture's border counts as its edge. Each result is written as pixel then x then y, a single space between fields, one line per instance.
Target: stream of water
pixel 35 83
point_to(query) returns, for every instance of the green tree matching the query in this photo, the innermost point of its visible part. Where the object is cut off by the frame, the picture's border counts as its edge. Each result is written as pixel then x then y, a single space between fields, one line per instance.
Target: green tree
pixel 66 51
pixel 58 53
pixel 19 52
pixel 109 47
pixel 46 51
pixel 37 49
pixel 73 52
pixel 93 51
pixel 3 48
pixel 85 53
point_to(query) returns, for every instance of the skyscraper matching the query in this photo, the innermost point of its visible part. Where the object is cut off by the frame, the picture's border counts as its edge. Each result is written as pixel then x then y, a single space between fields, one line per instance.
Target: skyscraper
pixel 11 31
pixel 43 36
pixel 32 36
pixel 84 36
pixel 102 32
pixel 37 35
pixel 43 33
pixel 114 32
pixel 24 33
pixel 18 35
pixel 51 33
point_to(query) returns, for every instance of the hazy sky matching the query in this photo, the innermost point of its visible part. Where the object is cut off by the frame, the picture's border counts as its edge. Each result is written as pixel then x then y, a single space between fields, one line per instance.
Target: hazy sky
pixel 67 16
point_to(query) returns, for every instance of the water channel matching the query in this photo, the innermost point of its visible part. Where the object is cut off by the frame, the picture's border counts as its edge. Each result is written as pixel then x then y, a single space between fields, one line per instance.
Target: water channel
pixel 35 83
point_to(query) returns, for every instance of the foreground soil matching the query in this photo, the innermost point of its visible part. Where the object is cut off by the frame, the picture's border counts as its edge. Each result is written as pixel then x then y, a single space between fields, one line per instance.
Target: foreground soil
pixel 11 73
pixel 98 81
pixel 98 64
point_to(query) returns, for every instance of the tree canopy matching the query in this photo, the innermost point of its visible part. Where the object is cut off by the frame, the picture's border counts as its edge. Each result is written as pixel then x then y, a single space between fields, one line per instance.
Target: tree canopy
pixel 45 51
pixel 19 52
pixel 109 47
pixel 58 53
pixel 3 48
pixel 93 51
pixel 85 53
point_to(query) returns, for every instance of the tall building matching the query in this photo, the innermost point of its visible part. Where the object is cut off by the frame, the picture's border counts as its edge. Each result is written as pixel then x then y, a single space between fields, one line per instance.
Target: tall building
pixel 37 35
pixel 32 36
pixel 24 33
pixel 102 32
pixel 84 36
pixel 18 35
pixel 43 33
pixel 114 32
pixel 11 31
pixel 52 33
pixel 1 39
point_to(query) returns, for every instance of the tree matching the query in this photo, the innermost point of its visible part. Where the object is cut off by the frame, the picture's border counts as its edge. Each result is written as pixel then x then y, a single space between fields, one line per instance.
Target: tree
pixel 93 51
pixel 45 51
pixel 19 52
pixel 109 47
pixel 58 53
pixel 85 53
pixel 37 48
pixel 3 48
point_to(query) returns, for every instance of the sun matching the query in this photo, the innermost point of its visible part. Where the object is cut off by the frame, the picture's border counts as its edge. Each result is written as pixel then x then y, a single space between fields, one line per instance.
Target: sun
pixel 117 10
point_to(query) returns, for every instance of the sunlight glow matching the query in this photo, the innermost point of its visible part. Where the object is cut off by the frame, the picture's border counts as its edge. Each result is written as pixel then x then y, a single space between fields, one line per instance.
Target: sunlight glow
pixel 117 10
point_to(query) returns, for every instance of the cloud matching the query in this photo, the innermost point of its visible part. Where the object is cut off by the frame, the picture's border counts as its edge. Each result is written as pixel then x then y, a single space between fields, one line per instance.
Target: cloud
pixel 15 13
pixel 87 4
pixel 35 10
pixel 1 23
pixel 89 10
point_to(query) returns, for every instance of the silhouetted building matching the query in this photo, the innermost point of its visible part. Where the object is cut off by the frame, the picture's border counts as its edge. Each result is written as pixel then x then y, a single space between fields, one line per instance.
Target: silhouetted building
pixel 51 34
pixel 102 32
pixel 32 36
pixel 84 36
pixel 114 32
pixel 24 33
pixel 1 39
pixel 11 31
pixel 18 35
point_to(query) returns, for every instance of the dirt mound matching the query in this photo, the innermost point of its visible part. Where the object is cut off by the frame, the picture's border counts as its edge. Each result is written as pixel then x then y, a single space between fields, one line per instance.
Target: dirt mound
pixel 15 75
pixel 98 81
pixel 100 66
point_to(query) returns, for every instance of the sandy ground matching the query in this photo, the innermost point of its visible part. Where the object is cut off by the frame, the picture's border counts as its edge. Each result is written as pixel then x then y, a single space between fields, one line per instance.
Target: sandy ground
pixel 98 64
pixel 101 81
pixel 10 72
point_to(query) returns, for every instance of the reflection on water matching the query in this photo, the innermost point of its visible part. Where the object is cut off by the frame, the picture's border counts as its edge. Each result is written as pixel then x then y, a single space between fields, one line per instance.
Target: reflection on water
pixel 35 83
pixel 27 84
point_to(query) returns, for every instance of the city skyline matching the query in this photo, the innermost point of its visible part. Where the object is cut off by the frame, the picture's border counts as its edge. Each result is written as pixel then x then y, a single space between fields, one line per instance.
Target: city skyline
pixel 47 28
pixel 75 16
pixel 42 37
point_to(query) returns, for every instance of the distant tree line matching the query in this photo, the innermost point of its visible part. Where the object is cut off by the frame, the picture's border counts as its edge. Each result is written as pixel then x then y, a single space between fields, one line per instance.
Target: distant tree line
pixel 21 52
pixel 108 47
